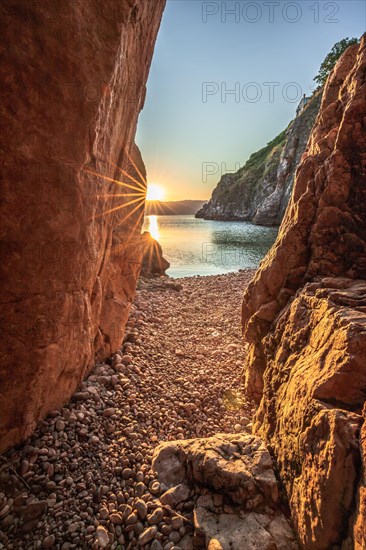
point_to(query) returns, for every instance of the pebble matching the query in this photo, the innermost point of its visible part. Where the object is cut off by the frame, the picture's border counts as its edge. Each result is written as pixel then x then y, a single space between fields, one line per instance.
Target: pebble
pixel 141 508
pixel 155 488
pixel 109 412
pixel 49 541
pixel 127 473
pixel 174 537
pixel 116 519
pixel 147 535
pixel 102 536
pixel 177 522
pixel 60 426
pixel 73 527
pixel 156 517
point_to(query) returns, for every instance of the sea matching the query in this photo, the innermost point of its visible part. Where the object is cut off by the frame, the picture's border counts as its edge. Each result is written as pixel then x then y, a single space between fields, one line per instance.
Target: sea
pixel 209 247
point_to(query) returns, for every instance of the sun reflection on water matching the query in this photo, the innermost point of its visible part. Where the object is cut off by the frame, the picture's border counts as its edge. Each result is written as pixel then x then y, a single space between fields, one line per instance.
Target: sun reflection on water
pixel 154 227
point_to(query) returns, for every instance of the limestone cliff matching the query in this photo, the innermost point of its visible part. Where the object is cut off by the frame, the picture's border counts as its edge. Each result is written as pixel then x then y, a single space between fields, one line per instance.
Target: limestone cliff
pixel 73 81
pixel 260 190
pixel 304 315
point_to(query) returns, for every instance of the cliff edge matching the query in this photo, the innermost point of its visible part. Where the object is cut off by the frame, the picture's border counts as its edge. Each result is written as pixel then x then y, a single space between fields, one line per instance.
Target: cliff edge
pixel 261 189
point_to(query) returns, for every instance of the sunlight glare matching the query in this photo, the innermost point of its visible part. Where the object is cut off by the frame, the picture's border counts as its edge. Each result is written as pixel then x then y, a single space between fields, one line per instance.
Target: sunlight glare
pixel 154 192
pixel 154 227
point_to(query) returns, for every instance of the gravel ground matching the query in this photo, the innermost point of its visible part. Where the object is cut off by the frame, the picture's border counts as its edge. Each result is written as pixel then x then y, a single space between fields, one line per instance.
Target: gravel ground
pixel 83 480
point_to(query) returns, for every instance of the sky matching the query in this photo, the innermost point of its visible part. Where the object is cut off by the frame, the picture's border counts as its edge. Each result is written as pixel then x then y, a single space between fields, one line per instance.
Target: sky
pixel 226 78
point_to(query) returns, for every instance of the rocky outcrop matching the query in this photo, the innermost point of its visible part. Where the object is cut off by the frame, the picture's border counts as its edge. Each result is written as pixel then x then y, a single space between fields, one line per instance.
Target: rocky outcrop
pixel 237 496
pixel 73 81
pixel 153 261
pixel 304 315
pixel 261 189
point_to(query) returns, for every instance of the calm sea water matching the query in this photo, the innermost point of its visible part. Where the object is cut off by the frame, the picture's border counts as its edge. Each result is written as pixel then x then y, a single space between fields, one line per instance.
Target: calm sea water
pixel 203 247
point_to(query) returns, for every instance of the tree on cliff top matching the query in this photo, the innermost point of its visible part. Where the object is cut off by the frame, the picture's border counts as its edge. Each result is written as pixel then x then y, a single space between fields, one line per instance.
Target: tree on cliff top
pixel 332 58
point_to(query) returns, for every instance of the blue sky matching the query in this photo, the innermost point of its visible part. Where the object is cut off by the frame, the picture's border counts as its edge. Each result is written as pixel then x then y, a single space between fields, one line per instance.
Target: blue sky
pixel 192 128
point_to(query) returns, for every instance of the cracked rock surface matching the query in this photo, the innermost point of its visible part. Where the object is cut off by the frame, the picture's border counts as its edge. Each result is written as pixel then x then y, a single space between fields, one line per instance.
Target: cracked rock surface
pixel 236 501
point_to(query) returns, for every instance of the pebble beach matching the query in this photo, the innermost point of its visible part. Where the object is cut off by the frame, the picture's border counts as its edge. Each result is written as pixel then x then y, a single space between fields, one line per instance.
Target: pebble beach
pixel 84 478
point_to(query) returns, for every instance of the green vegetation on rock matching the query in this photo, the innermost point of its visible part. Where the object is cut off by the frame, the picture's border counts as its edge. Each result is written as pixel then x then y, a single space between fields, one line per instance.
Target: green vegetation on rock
pixel 258 158
pixel 335 53
pixel 259 191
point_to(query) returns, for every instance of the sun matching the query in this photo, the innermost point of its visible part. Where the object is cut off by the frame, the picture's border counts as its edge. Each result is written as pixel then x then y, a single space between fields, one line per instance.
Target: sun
pixel 154 192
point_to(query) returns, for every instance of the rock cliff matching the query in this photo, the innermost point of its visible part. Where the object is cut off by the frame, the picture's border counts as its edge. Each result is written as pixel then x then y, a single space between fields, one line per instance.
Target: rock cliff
pixel 304 315
pixel 260 190
pixel 73 80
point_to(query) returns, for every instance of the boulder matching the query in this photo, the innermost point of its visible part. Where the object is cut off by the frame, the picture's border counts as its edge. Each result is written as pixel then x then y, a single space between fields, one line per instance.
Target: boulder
pixel 239 504
pixel 239 465
pixel 153 261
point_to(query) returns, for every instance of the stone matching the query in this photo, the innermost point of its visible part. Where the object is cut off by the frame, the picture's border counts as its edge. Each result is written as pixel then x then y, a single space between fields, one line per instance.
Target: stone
pixel 177 522
pixel 109 412
pixel 176 495
pixel 141 508
pixel 147 535
pixel 156 517
pixel 174 537
pixel 127 473
pixel 73 527
pixel 102 536
pixel 116 519
pixel 60 425
pixel 131 519
pixel 155 488
pixel 49 541
pixel 33 510
pixel 238 464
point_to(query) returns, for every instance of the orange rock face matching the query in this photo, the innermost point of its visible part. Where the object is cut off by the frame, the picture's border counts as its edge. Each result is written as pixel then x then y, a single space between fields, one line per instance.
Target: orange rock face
pixel 73 77
pixel 304 315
